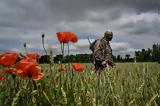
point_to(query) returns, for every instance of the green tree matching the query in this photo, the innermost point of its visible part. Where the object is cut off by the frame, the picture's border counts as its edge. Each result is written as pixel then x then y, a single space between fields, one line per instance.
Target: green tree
pixel 155 52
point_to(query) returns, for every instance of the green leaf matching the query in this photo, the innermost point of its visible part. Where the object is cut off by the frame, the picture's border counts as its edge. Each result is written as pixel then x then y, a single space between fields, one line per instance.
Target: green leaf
pixel 47 97
pixel 152 99
pixel 15 99
pixel 34 92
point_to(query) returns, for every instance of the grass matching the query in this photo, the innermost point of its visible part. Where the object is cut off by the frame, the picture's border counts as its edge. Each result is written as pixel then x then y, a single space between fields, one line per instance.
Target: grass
pixel 129 84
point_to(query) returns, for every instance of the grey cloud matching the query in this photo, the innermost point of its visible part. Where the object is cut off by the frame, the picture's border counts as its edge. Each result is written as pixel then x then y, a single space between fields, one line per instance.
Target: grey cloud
pixel 138 5
pixel 141 27
pixel 26 20
pixel 24 14
pixel 76 8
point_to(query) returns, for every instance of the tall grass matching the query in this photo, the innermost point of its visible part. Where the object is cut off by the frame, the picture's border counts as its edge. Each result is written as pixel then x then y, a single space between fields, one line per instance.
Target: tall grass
pixel 129 84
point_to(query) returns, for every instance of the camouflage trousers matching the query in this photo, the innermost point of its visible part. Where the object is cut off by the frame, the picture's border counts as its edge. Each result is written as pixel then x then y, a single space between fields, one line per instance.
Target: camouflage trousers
pixel 98 66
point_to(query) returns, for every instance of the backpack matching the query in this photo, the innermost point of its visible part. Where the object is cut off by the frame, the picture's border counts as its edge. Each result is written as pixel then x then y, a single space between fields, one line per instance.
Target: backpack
pixel 91 47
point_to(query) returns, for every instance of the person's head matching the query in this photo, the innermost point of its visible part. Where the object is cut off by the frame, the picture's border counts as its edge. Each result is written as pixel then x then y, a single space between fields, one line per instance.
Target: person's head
pixel 108 35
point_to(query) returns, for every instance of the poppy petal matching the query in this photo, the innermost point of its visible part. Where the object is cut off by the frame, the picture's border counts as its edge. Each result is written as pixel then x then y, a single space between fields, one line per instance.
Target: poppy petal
pixel 1 77
pixel 78 67
pixel 8 59
pixel 65 37
pixel 62 68
pixel 38 77
pixel 34 70
pixel 25 64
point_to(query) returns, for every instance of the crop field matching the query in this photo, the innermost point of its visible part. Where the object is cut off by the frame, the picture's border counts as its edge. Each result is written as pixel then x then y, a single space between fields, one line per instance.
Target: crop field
pixel 128 84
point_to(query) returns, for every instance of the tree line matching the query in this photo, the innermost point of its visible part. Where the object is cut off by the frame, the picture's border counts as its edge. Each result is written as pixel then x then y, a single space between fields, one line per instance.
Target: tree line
pixel 143 55
pixel 148 55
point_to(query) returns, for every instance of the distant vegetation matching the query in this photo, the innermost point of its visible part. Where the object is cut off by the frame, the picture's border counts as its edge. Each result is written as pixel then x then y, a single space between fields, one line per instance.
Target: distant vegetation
pixel 144 55
pixel 148 55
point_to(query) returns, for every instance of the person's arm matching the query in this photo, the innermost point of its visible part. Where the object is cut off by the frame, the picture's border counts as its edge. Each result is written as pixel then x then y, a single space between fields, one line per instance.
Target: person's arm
pixel 110 62
pixel 109 59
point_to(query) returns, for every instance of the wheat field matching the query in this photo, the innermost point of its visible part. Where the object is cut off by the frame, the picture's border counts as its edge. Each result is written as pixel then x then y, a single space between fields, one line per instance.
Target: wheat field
pixel 128 84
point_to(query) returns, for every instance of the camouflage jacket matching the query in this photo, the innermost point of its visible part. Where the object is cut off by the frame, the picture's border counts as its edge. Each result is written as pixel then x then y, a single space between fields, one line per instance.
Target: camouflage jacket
pixel 103 51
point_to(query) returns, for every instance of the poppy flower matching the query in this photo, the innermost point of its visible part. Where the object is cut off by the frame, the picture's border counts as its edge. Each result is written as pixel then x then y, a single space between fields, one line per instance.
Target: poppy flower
pixel 0 55
pixel 35 72
pixel 78 67
pixel 73 37
pixel 62 68
pixel 1 77
pixel 9 71
pixel 62 37
pixel 27 67
pixel 33 56
pixel 65 37
pixel 25 64
pixel 8 59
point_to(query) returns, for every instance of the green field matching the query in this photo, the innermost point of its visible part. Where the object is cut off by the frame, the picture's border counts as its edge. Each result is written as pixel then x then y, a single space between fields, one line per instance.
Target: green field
pixel 129 84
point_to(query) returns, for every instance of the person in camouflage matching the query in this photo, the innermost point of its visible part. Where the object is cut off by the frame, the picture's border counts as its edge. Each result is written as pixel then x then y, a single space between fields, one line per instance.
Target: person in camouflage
pixel 102 52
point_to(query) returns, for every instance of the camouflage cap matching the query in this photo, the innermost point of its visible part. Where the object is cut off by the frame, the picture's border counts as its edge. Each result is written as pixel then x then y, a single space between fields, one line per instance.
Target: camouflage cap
pixel 108 35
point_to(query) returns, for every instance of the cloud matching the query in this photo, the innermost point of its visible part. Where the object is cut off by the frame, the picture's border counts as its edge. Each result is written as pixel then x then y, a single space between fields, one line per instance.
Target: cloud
pixel 123 48
pixel 81 47
pixel 135 24
pixel 120 46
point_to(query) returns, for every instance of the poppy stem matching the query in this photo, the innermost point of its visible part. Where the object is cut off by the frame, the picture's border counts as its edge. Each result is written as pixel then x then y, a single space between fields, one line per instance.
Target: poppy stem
pixel 43 43
pixel 68 73
pixel 62 50
pixel 25 47
pixel 50 60
pixel 9 68
pixel 68 49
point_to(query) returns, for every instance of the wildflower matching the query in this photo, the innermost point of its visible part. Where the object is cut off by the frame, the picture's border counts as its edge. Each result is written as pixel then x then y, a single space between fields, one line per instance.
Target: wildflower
pixel 8 59
pixel 27 67
pixel 74 38
pixel 62 37
pixel 65 37
pixel 62 68
pixel 35 72
pixel 33 56
pixel 9 71
pixel 78 67
pixel 25 64
pixel 1 77
pixel 43 35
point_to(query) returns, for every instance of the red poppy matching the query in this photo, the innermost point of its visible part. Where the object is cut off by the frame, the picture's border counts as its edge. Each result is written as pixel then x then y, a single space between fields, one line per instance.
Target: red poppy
pixel 8 59
pixel 25 64
pixel 9 71
pixel 65 37
pixel 62 37
pixel 35 72
pixel 62 68
pixel 0 55
pixel 74 38
pixel 31 56
pixel 78 67
pixel 0 58
pixel 1 77
pixel 27 67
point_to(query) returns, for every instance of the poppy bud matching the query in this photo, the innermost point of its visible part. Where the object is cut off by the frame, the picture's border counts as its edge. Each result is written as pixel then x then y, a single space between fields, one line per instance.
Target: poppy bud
pixel 25 45
pixel 43 35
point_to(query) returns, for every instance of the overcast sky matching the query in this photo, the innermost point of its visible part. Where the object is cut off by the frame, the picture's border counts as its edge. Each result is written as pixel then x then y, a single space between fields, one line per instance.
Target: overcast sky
pixel 135 24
